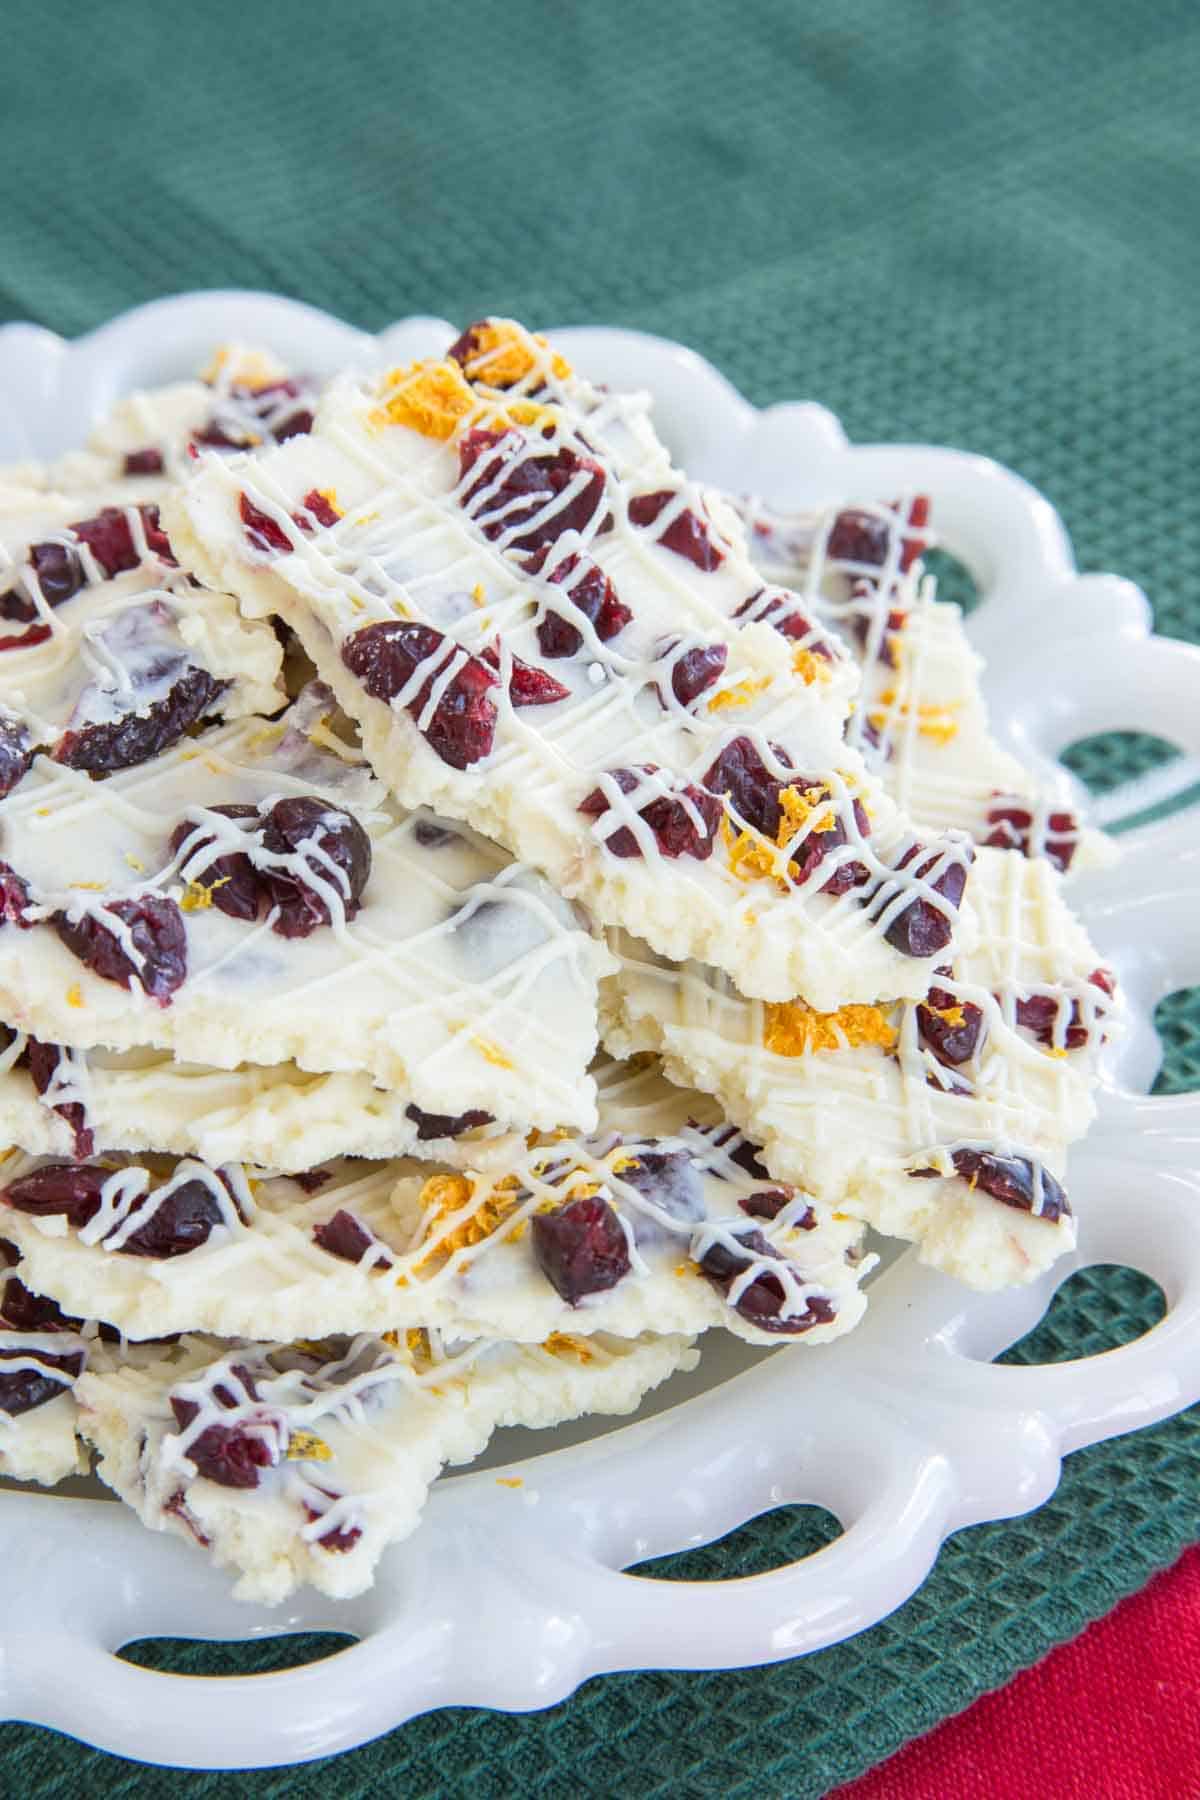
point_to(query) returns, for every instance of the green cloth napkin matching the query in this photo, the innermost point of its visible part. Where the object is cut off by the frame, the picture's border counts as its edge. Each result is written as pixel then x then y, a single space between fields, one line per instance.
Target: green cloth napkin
pixel 961 222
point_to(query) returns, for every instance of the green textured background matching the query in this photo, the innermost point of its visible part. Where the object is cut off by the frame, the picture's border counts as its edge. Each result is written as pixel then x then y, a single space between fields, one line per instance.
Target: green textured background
pixel 969 223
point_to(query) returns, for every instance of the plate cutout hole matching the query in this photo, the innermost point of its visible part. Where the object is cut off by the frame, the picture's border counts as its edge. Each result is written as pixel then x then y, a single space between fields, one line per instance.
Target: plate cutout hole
pixel 1105 760
pixel 1177 1022
pixel 242 1656
pixel 1097 1309
pixel 786 1534
pixel 955 581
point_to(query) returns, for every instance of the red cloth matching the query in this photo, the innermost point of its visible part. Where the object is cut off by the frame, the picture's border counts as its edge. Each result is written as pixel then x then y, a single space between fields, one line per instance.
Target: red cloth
pixel 1115 1715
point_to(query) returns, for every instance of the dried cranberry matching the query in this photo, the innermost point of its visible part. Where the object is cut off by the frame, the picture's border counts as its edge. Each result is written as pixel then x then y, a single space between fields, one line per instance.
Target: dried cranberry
pixel 21 1390
pixel 338 1537
pixel 1012 829
pixel 109 537
pixel 1105 980
pixel 14 898
pixel 1012 1180
pixel 739 1150
pixel 581 1248
pixel 674 829
pixel 753 790
pixel 951 1044
pixel 693 673
pixel 318 834
pixel 1038 1014
pixel 527 684
pixel 60 575
pixel 865 537
pixel 517 497
pixel 445 1125
pixel 807 856
pixel 231 880
pixel 226 1454
pixel 311 1181
pixel 26 640
pixel 761 1301
pixel 591 593
pixel 780 611
pixel 768 1203
pixel 346 1237
pixel 21 1310
pixel 263 532
pixel 183 1221
pixel 42 1061
pixel 72 1189
pixel 320 507
pixel 687 534
pixel 143 462
pixel 157 930
pixel 922 928
pixel 16 753
pixel 385 657
pixel 138 736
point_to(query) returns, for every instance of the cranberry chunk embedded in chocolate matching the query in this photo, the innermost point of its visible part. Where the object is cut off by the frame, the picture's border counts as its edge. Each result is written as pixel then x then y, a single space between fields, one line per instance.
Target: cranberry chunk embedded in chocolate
pixel 330 846
pixel 671 817
pixel 1015 1181
pixel 1012 823
pixel 42 1061
pixel 143 462
pixel 922 928
pixel 230 1455
pixel 157 936
pixel 16 753
pixel 69 1189
pixel 125 742
pixel 15 898
pixel 527 684
pixel 950 1029
pixel 262 531
pixel 348 1238
pixel 22 1390
pixel 183 1221
pixel 762 1300
pixel 387 655
pixel 581 1248
pixel 445 1125
pixel 586 589
pixel 698 669
pixel 231 880
pixel 529 500
pixel 687 534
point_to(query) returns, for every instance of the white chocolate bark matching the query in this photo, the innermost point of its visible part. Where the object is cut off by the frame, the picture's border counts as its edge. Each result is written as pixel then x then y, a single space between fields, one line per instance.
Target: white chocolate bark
pixel 411 544
pixel 462 1253
pixel 849 1104
pixel 921 721
pixel 118 646
pixel 246 396
pixel 280 1117
pixel 352 1436
pixel 463 982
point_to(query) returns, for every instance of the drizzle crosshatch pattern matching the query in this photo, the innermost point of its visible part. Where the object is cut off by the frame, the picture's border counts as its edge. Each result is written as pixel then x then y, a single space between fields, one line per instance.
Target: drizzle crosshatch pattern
pixel 446 550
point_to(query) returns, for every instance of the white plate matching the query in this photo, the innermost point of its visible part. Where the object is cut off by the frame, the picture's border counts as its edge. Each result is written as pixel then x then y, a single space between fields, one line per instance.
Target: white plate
pixel 906 1432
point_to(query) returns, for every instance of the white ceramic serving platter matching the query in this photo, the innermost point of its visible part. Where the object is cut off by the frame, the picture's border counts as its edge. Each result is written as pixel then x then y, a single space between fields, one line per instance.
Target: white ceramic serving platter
pixel 509 1597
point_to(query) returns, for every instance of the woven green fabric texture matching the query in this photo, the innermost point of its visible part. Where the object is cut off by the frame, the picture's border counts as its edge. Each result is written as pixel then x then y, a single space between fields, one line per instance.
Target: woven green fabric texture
pixel 969 223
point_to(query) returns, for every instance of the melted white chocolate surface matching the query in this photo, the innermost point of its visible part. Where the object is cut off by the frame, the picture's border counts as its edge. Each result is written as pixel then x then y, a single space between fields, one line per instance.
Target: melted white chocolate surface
pixel 850 1103
pixel 463 981
pixel 410 544
pixel 351 1437
pixel 462 1253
